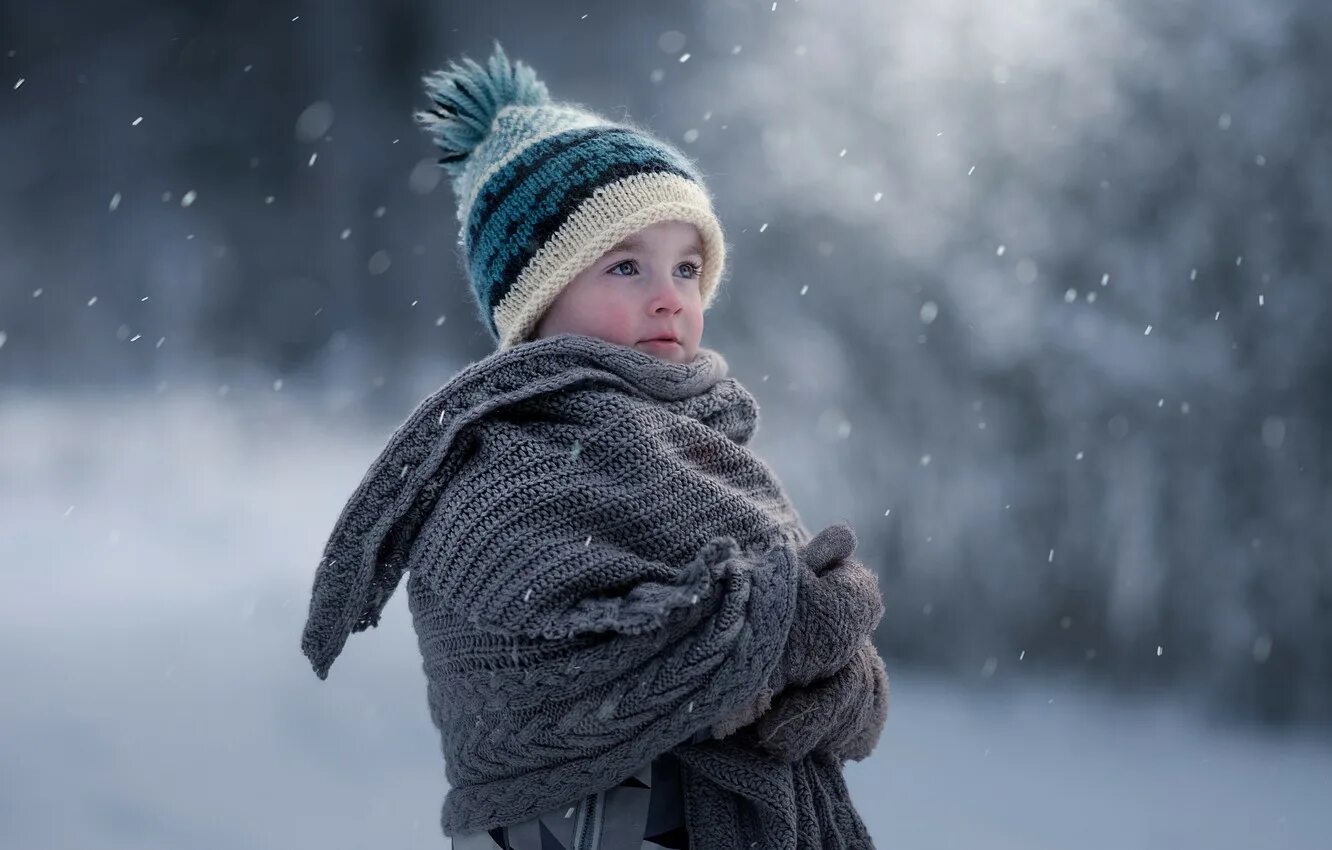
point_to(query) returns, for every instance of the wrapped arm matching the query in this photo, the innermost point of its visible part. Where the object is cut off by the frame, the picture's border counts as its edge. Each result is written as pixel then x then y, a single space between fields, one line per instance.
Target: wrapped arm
pixel 626 678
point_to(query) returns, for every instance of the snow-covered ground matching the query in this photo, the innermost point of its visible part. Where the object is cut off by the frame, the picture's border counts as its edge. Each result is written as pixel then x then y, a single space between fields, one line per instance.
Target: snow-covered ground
pixel 157 554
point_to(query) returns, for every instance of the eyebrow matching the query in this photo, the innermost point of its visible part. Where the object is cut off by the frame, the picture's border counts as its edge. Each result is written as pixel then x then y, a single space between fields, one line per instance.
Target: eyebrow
pixel 634 243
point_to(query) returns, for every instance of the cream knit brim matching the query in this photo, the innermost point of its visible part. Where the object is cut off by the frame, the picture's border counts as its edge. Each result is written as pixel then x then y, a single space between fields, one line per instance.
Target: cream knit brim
pixel 614 211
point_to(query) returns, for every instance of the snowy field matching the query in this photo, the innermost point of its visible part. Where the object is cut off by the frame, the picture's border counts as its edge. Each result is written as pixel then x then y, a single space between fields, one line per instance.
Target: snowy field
pixel 157 557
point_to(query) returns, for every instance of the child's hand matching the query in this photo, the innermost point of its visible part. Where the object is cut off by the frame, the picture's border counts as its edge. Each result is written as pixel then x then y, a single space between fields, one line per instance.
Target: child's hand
pixel 843 715
pixel 831 545
pixel 837 605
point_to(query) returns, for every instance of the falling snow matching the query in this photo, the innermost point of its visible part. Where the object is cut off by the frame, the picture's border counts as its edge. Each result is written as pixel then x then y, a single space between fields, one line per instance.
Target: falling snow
pixel 1076 367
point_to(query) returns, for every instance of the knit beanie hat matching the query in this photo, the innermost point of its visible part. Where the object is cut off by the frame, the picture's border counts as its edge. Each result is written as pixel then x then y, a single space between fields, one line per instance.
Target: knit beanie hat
pixel 546 188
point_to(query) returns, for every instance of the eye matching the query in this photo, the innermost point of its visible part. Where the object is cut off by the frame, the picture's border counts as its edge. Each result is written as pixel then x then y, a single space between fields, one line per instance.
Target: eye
pixel 621 265
pixel 694 269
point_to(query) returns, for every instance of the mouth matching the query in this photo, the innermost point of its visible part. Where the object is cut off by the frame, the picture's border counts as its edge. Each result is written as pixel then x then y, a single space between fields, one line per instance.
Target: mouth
pixel 663 339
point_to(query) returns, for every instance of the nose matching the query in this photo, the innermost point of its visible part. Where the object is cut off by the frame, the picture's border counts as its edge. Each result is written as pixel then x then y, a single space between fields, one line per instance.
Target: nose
pixel 666 299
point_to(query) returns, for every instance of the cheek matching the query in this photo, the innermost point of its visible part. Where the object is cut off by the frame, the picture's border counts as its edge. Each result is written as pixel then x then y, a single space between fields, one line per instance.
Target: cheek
pixel 621 318
pixel 694 312
pixel 609 315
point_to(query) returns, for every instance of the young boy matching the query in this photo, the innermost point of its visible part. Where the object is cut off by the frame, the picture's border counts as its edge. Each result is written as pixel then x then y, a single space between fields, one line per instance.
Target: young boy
pixel 630 639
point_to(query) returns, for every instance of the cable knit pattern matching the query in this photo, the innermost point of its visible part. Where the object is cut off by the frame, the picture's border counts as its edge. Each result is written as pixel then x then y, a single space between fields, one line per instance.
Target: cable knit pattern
pixel 599 568
pixel 737 797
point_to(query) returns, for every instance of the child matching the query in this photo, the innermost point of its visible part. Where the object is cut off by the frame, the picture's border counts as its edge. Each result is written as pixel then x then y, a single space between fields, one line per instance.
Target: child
pixel 629 637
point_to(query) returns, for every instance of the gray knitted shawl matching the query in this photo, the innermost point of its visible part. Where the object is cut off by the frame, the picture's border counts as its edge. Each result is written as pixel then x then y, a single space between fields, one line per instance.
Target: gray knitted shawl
pixel 599 569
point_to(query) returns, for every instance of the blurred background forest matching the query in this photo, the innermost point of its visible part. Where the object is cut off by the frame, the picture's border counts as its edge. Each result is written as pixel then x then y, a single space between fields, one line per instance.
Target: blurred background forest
pixel 1035 294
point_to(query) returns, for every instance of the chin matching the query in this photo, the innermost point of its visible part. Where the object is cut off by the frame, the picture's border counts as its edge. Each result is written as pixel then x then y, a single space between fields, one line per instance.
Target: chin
pixel 675 353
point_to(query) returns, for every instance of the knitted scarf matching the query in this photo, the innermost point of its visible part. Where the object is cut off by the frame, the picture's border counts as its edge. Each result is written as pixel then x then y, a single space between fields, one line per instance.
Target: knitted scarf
pixel 599 568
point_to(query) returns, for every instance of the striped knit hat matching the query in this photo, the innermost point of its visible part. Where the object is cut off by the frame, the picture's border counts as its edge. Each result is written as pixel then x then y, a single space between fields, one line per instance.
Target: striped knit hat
pixel 545 188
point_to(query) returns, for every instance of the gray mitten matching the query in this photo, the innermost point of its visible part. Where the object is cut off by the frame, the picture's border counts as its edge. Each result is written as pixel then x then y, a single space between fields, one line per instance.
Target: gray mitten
pixel 842 715
pixel 837 605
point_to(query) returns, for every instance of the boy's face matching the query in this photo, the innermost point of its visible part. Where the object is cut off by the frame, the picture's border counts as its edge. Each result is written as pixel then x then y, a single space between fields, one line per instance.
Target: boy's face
pixel 645 288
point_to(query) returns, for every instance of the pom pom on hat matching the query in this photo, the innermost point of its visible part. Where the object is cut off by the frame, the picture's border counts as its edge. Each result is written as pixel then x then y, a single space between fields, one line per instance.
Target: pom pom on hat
pixel 467 98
